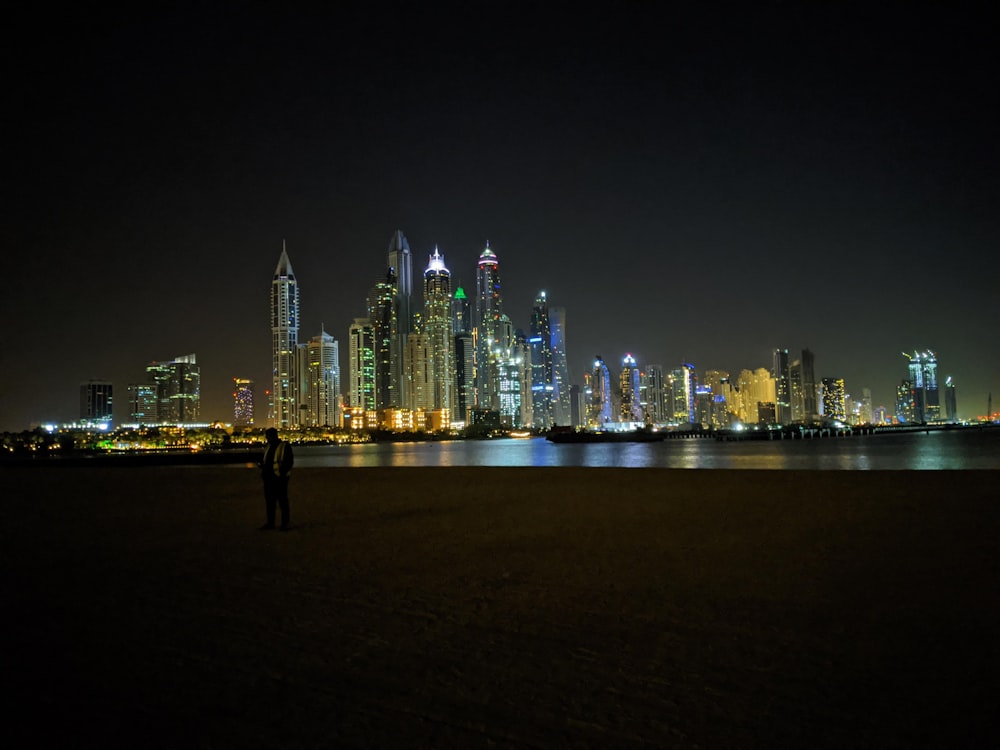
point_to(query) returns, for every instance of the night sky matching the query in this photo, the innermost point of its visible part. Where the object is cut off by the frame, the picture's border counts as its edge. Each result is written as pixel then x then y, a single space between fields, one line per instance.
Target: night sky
pixel 696 186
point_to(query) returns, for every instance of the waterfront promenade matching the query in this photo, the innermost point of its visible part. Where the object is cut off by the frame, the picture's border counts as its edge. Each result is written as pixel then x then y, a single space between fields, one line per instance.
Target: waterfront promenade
pixel 502 607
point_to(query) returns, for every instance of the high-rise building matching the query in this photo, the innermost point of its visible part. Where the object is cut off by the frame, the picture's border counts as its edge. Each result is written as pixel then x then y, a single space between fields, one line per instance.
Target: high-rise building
pixel 950 400
pixel 178 389
pixel 361 367
pixel 600 412
pixel 489 308
pixel 400 263
pixel 283 406
pixel 465 367
pixel 437 328
pixel 925 404
pixel 782 388
pixel 651 400
pixel 560 367
pixel 461 312
pixel 834 399
pixel 382 310
pixel 630 409
pixel 242 402
pixel 542 386
pixel 143 404
pixel 809 406
pixel 683 382
pixel 319 381
pixel 96 402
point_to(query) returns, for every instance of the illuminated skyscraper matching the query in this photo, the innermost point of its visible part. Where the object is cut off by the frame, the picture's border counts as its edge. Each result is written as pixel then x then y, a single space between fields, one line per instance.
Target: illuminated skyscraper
pixel 834 399
pixel 437 328
pixel 361 367
pixel 950 400
pixel 628 388
pixel 400 263
pixel 600 412
pixel 465 355
pixel 802 388
pixel 178 389
pixel 284 343
pixel 682 391
pixel 782 388
pixel 925 403
pixel 319 381
pixel 489 308
pixel 651 384
pixel 96 402
pixel 242 402
pixel 560 367
pixel 542 386
pixel 143 404
pixel 382 310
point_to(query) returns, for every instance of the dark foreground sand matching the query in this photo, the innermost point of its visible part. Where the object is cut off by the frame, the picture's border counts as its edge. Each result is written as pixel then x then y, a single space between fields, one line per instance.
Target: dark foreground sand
pixel 501 607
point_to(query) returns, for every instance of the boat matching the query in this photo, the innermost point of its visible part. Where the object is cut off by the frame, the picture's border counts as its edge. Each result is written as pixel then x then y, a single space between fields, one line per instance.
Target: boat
pixel 569 435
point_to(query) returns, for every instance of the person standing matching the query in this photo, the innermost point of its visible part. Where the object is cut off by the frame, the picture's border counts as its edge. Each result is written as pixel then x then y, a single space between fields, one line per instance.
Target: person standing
pixel 275 467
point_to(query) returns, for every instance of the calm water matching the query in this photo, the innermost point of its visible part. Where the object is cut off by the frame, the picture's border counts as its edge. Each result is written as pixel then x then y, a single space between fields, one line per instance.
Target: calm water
pixel 958 449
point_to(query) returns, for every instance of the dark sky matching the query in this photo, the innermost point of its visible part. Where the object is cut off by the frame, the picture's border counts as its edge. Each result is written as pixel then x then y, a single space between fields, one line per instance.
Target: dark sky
pixel 700 186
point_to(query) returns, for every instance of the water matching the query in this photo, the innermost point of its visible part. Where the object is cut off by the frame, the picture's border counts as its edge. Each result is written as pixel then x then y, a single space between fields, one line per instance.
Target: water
pixel 952 449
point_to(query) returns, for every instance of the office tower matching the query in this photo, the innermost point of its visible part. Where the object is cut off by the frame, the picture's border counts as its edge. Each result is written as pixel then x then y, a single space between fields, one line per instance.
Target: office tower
pixel 96 397
pixel 361 367
pixel 284 343
pixel 682 391
pixel 628 391
pixel 754 387
pixel 600 402
pixel 319 381
pixel 560 367
pixel 651 385
pixel 950 400
pixel 925 404
pixel 400 264
pixel 437 328
pixel 488 311
pixel 834 399
pixel 242 402
pixel 540 340
pixel 143 404
pixel 382 310
pixel 782 387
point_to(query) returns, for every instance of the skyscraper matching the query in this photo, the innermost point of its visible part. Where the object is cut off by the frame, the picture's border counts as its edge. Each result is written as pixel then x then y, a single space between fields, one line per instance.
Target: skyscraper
pixel 382 311
pixel 143 404
pixel 834 399
pixel 950 400
pixel 560 367
pixel 540 340
pixel 437 328
pixel 651 385
pixel 628 385
pixel 242 402
pixel 178 389
pixel 400 263
pixel 782 390
pixel 319 381
pixel 284 343
pixel 361 366
pixel 925 403
pixel 600 412
pixel 96 401
pixel 489 308
pixel 682 392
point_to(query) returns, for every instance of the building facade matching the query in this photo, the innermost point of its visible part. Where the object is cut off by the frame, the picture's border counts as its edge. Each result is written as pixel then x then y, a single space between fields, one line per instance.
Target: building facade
pixel 283 406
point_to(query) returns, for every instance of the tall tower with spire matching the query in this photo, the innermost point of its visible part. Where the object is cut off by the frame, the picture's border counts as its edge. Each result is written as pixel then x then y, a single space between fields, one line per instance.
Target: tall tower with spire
pixel 438 331
pixel 489 309
pixel 400 264
pixel 283 404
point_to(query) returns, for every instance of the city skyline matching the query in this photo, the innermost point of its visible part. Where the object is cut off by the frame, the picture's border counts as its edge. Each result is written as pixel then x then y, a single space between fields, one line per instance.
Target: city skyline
pixel 701 190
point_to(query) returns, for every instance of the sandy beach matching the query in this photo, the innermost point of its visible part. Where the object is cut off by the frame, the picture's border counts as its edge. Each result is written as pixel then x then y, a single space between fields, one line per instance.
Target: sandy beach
pixel 492 607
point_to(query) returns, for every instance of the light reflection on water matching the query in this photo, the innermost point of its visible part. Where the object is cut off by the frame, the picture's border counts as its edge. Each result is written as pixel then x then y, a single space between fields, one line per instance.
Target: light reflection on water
pixel 954 449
